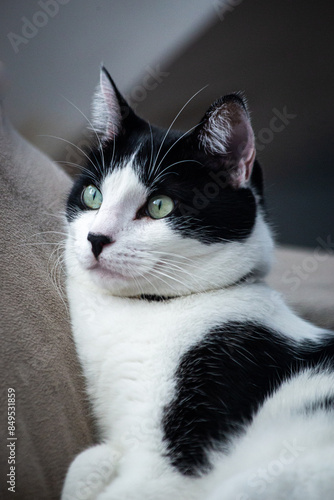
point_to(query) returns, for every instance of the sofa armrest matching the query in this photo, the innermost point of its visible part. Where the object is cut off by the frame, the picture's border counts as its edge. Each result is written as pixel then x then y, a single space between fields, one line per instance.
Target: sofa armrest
pixel 38 358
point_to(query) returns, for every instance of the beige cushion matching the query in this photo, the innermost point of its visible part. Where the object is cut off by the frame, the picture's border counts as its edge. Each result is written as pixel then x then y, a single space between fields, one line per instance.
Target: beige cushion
pixel 38 357
pixel 306 279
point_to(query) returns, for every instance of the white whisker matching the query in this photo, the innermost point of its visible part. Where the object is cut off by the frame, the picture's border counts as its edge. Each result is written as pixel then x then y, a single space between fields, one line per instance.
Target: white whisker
pixel 91 126
pixel 153 271
pixel 98 170
pixel 174 144
pixel 171 125
pixel 150 171
pixel 79 167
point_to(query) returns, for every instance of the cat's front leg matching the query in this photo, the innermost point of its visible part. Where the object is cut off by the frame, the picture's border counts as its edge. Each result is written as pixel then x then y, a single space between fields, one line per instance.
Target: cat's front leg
pixel 90 472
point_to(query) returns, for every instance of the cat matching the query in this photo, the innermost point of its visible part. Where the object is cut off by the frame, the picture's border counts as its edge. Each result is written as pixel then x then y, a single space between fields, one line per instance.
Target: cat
pixel 203 383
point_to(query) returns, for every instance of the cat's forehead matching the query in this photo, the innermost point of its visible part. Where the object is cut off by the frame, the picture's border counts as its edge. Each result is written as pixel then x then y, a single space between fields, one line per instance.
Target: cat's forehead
pixel 124 183
pixel 158 147
pixel 147 154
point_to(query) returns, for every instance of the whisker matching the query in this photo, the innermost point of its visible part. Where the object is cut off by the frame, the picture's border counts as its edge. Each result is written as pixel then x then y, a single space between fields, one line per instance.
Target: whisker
pixel 170 265
pixel 60 215
pixel 75 146
pixel 91 126
pixel 160 176
pixel 79 167
pixel 174 144
pixel 162 252
pixel 142 275
pixel 150 172
pixel 153 271
pixel 37 243
pixel 176 117
pixel 174 262
pixel 57 273
pixel 200 282
pixel 60 233
pixel 153 274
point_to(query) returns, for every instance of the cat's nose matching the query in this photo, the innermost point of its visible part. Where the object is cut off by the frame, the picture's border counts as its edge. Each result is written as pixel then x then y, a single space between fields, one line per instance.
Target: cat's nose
pixel 98 241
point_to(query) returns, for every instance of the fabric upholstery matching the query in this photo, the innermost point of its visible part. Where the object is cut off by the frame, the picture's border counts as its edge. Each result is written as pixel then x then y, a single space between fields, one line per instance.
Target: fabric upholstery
pixel 38 358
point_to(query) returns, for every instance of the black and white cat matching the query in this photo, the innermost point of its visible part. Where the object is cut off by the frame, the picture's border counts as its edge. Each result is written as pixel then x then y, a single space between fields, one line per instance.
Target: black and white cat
pixel 204 384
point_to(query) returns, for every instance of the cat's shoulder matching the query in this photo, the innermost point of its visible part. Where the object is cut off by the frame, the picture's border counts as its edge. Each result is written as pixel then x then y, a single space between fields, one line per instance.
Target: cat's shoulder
pixel 254 306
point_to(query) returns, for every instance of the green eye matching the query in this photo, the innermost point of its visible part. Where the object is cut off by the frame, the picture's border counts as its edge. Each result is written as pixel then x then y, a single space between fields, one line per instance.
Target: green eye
pixel 92 197
pixel 160 206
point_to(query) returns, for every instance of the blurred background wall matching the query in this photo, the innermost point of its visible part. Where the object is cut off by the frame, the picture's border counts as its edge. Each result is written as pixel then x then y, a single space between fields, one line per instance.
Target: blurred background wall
pixel 280 53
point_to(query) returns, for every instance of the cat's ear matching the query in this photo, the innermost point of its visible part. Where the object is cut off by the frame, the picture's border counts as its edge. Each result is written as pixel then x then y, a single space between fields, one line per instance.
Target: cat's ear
pixel 110 110
pixel 226 134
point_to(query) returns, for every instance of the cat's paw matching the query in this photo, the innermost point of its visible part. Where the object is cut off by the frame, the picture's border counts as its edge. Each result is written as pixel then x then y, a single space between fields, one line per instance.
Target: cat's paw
pixel 90 473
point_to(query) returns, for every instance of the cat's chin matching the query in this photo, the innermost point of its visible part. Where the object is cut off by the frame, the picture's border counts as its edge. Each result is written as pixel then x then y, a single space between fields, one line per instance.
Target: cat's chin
pixel 102 274
pixel 113 282
pixel 110 280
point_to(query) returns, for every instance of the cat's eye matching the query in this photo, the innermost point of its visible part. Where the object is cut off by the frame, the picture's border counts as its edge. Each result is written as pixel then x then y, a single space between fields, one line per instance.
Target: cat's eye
pixel 92 197
pixel 160 206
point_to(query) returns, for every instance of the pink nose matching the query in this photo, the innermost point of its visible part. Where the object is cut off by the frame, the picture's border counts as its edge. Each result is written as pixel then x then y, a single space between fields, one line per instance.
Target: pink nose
pixel 98 241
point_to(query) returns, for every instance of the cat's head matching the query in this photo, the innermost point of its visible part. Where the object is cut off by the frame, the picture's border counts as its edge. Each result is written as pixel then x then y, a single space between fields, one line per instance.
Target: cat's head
pixel 164 213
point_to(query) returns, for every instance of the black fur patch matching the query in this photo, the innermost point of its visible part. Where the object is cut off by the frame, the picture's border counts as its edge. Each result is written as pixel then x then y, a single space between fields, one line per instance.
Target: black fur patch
pixel 207 207
pixel 221 383
pixel 324 404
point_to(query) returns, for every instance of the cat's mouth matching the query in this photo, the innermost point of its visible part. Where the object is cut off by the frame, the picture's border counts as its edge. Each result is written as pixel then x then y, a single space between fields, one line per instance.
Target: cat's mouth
pixel 101 272
pixel 129 274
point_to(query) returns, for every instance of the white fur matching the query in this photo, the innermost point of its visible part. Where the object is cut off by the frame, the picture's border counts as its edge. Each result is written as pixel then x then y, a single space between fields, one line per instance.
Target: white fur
pixel 216 132
pixel 106 110
pixel 285 454
pixel 130 349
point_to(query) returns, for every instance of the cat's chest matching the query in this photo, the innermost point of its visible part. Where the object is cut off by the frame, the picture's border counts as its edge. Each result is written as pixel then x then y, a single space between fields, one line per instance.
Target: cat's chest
pixel 118 332
pixel 130 351
pixel 136 330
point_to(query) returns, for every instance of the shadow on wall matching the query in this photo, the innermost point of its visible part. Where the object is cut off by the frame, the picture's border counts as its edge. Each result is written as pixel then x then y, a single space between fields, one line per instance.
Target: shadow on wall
pixel 281 55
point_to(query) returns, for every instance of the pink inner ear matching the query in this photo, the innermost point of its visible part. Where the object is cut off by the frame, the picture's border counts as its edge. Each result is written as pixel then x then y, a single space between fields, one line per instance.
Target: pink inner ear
pixel 249 161
pixel 112 108
pixel 242 148
pixel 227 133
